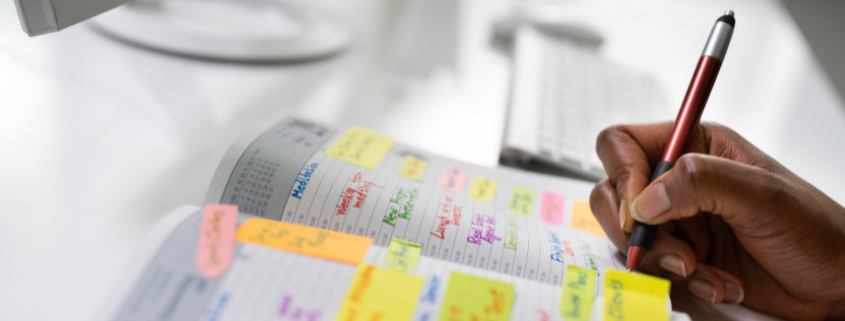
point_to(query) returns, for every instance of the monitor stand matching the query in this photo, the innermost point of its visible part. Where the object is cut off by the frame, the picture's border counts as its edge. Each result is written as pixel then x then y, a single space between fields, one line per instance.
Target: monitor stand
pixel 230 30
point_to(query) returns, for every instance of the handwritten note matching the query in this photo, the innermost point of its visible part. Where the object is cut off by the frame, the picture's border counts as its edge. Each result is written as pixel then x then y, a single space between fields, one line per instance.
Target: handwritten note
pixel 470 297
pixel 216 244
pixel 380 294
pixel 634 296
pixel 583 219
pixel 453 180
pixel 522 201
pixel 303 239
pixel 551 208
pixel 402 255
pixel 483 189
pixel 579 286
pixel 412 167
pixel 289 310
pixel 362 147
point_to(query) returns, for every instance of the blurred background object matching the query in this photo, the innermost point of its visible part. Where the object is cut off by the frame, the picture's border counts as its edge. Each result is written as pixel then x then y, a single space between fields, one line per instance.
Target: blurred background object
pixel 822 25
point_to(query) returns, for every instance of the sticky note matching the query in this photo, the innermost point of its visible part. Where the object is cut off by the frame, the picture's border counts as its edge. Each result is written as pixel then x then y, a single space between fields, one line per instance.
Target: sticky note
pixel 579 288
pixel 483 189
pixel 632 296
pixel 453 180
pixel 361 146
pixel 522 201
pixel 402 255
pixel 303 239
pixel 380 294
pixel 412 167
pixel 583 219
pixel 551 208
pixel 470 297
pixel 216 244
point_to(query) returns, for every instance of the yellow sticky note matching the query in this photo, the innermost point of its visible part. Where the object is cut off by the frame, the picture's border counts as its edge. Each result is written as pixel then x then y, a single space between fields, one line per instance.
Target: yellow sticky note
pixel 522 201
pixel 483 189
pixel 303 239
pixel 402 255
pixel 380 294
pixel 475 298
pixel 361 146
pixel 413 167
pixel 583 219
pixel 632 296
pixel 579 288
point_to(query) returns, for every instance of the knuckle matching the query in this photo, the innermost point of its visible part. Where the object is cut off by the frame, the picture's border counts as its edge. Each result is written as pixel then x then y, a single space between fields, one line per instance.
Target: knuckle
pixel 694 171
pixel 609 136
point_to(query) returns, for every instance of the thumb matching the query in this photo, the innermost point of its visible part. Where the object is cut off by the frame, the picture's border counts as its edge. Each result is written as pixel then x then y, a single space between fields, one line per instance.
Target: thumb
pixel 703 183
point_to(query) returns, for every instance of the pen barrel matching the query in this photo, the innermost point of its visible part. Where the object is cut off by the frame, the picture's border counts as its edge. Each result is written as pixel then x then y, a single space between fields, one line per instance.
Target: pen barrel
pixel 691 108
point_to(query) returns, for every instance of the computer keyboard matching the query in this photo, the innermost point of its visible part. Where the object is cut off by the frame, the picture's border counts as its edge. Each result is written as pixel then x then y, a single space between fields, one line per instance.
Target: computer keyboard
pixel 565 94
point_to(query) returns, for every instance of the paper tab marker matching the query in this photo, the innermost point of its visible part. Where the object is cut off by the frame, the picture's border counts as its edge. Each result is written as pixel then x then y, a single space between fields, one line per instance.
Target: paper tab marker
pixel 380 294
pixel 632 296
pixel 453 180
pixel 303 239
pixel 583 219
pixel 362 147
pixel 412 167
pixel 474 298
pixel 483 189
pixel 579 288
pixel 551 208
pixel 522 201
pixel 216 244
pixel 402 255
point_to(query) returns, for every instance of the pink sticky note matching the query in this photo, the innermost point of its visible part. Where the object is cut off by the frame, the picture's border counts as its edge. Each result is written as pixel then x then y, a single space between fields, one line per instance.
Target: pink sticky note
pixel 453 180
pixel 551 208
pixel 217 239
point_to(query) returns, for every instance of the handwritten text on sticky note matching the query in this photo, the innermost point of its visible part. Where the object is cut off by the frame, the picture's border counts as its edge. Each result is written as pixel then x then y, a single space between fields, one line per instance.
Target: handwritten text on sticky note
pixel 522 201
pixel 483 189
pixel 380 294
pixel 362 147
pixel 470 297
pixel 303 239
pixel 583 219
pixel 453 180
pixel 633 296
pixel 579 286
pixel 402 255
pixel 412 167
pixel 551 208
pixel 216 244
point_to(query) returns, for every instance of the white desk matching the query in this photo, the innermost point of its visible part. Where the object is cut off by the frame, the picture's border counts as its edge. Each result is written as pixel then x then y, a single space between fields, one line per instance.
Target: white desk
pixel 99 140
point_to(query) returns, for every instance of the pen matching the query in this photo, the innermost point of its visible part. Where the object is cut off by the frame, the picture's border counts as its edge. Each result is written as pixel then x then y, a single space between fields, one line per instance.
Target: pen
pixel 693 105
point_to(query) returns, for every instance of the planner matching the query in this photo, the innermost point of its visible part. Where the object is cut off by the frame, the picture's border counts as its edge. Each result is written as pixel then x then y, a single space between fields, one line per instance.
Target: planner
pixel 361 190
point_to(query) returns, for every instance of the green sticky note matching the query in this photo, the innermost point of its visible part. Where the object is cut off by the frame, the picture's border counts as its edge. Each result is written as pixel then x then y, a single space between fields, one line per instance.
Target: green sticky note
pixel 633 296
pixel 522 201
pixel 475 298
pixel 579 288
pixel 402 255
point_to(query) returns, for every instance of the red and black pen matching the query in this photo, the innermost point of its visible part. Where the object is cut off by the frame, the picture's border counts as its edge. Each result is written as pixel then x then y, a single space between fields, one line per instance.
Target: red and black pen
pixel 699 90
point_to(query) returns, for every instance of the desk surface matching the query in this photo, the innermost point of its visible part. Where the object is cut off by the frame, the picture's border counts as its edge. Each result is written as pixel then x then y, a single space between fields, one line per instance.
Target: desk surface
pixel 101 139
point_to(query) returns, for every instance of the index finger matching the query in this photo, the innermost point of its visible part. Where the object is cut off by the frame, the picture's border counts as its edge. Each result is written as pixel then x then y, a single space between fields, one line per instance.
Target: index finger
pixel 628 153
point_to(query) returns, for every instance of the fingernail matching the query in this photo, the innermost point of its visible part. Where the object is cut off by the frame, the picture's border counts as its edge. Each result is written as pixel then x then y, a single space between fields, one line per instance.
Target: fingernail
pixel 651 203
pixel 622 217
pixel 674 264
pixel 734 293
pixel 703 290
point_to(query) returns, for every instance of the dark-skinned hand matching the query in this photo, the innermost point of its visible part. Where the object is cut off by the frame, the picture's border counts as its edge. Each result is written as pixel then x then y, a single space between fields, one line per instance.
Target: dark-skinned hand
pixel 735 225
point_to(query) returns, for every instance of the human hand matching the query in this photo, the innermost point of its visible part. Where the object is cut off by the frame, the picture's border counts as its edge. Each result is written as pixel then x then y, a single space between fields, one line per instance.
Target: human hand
pixel 735 225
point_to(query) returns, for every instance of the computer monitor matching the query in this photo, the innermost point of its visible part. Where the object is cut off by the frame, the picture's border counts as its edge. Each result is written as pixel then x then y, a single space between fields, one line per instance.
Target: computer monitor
pixel 232 30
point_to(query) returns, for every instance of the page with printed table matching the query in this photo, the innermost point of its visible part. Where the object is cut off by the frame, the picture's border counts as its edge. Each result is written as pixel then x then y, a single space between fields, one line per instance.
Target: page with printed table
pixel 327 221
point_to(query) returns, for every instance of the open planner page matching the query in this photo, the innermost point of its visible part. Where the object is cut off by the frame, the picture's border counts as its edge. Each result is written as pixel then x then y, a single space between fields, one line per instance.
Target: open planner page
pixel 500 224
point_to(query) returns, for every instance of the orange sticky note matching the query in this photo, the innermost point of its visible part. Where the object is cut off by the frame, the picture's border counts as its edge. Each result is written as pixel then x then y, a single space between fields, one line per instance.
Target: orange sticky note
pixel 216 244
pixel 303 239
pixel 583 219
